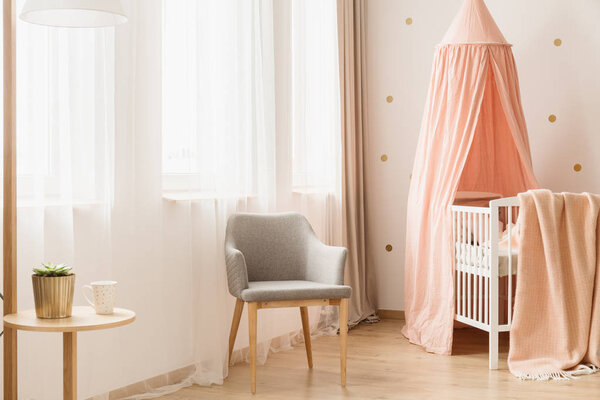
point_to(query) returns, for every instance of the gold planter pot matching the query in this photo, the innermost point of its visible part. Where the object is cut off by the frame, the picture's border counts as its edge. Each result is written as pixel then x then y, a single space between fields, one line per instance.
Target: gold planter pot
pixel 53 295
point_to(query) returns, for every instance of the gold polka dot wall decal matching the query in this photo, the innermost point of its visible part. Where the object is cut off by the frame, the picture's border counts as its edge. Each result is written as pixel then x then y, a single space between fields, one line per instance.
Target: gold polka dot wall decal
pixel 384 157
pixel 577 167
pixel 410 176
pixel 409 21
pixel 389 99
pixel 388 248
pixel 552 118
pixel 557 42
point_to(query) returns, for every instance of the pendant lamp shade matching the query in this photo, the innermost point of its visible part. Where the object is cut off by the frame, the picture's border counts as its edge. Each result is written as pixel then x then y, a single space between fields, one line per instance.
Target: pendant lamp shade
pixel 74 13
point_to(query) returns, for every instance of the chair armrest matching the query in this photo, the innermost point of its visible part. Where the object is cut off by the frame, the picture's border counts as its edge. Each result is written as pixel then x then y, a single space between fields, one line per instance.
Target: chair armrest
pixel 325 264
pixel 237 273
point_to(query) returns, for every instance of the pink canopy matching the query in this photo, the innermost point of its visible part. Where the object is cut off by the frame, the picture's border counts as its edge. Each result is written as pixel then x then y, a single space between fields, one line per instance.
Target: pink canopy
pixel 473 138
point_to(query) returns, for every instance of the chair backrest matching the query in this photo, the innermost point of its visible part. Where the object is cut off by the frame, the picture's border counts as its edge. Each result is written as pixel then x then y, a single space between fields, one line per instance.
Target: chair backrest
pixel 273 245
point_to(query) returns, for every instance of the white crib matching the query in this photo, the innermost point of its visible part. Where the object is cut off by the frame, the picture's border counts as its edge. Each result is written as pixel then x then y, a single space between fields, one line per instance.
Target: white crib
pixel 484 271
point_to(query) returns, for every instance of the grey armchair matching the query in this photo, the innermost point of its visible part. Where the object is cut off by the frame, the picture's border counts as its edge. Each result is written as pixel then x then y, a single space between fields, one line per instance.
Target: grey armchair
pixel 276 260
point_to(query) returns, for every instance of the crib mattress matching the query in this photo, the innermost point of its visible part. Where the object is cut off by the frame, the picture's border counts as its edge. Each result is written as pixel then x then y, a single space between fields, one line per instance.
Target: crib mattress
pixel 478 255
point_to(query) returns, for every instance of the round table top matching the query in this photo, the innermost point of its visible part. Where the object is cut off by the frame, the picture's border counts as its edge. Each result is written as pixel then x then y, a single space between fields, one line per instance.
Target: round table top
pixel 83 318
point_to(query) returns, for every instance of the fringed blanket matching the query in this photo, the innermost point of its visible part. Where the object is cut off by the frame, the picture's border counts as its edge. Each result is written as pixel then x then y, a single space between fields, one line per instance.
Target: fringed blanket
pixel 555 331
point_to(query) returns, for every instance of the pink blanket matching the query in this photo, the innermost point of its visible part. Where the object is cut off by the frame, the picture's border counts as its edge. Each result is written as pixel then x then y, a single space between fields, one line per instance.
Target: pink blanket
pixel 556 323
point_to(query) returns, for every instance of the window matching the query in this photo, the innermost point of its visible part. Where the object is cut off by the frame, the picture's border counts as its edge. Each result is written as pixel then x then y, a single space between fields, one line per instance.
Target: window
pixel 217 109
pixel 316 129
pixel 219 103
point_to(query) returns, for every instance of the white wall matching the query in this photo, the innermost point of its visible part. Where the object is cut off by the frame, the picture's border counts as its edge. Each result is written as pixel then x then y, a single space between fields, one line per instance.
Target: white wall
pixel 560 80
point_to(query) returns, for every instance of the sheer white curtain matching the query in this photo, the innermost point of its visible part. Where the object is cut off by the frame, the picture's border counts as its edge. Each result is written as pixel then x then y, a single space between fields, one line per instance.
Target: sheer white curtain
pixel 98 111
pixel 65 114
pixel 218 98
pixel 65 132
pixel 315 96
pixel 309 59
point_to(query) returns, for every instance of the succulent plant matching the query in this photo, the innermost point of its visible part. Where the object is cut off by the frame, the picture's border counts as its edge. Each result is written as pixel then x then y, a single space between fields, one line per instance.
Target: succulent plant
pixel 50 269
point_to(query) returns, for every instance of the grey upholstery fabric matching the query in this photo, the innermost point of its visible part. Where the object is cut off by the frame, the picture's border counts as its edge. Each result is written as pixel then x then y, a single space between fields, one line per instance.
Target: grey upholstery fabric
pixel 273 257
pixel 293 290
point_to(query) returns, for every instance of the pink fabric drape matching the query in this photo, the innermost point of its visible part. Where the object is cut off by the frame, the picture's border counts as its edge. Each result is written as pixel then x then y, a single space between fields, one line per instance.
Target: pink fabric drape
pixel 473 137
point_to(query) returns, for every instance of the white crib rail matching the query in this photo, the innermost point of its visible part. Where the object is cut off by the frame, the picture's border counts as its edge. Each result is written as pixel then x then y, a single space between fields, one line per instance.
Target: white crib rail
pixel 471 228
pixel 479 301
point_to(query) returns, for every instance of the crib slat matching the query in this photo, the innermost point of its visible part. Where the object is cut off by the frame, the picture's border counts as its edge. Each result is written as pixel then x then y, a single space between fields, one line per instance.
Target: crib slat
pixel 458 272
pixel 476 224
pixel 510 276
pixel 489 262
pixel 475 264
pixel 463 273
pixel 461 240
pixel 481 218
pixel 454 263
pixel 478 270
pixel 454 249
pixel 470 254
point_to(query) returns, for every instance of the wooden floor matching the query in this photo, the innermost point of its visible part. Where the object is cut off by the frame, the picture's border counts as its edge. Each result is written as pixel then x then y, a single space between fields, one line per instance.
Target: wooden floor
pixel 383 365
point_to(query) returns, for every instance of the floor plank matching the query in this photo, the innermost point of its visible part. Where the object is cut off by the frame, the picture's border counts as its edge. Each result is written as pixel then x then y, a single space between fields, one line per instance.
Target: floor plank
pixel 382 364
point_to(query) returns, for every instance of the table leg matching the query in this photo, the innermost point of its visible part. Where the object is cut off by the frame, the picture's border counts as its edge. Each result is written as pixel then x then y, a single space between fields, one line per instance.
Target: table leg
pixel 10 363
pixel 70 365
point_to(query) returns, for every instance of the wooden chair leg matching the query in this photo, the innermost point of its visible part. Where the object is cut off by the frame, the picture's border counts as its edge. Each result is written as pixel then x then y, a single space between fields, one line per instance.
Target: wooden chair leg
pixel 252 314
pixel 306 330
pixel 235 324
pixel 343 338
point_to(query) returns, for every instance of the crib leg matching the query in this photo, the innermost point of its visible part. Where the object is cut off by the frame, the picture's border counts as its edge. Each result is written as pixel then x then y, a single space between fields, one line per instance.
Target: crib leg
pixel 493 348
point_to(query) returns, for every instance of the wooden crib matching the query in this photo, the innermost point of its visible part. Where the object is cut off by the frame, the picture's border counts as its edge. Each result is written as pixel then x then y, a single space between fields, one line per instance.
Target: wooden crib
pixel 485 270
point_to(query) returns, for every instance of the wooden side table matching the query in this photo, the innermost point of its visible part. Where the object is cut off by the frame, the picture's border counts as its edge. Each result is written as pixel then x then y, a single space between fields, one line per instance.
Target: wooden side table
pixel 82 319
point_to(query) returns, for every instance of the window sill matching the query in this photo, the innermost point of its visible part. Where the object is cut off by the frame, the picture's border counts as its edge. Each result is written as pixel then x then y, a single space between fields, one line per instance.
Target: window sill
pixel 58 203
pixel 185 196
pixel 313 191
pixel 191 196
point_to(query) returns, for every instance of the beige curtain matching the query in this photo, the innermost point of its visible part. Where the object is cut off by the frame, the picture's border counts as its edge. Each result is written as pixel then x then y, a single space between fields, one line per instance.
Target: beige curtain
pixel 352 53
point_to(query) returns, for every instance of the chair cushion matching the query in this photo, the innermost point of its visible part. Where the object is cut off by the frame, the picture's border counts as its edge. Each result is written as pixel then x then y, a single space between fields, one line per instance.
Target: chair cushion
pixel 293 290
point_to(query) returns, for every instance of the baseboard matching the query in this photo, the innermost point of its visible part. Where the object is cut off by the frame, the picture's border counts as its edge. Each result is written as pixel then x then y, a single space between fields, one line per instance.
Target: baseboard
pixel 169 378
pixel 391 314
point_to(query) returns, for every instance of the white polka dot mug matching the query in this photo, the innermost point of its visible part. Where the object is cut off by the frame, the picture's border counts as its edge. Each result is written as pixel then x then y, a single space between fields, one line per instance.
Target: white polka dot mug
pixel 103 293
